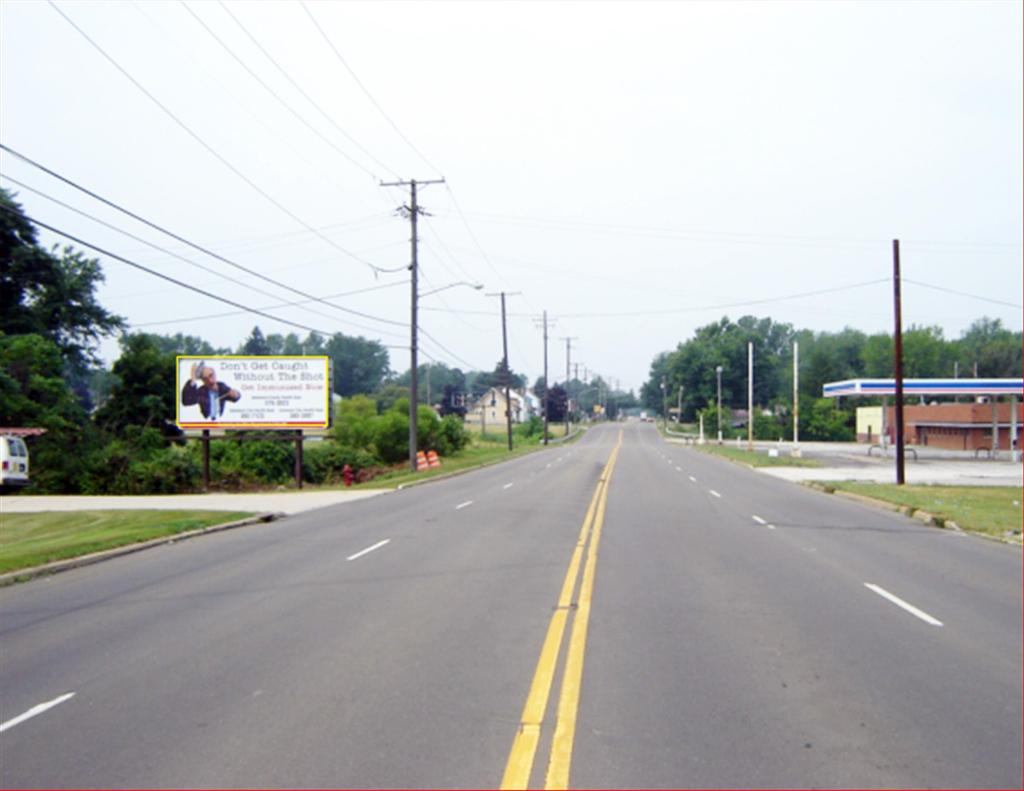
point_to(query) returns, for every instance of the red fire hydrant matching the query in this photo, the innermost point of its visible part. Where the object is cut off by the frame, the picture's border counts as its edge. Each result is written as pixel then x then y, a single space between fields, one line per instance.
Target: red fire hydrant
pixel 347 474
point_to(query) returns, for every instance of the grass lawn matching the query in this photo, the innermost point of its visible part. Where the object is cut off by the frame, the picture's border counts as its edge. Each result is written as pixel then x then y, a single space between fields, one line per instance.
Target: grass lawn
pixel 34 539
pixel 757 458
pixel 995 510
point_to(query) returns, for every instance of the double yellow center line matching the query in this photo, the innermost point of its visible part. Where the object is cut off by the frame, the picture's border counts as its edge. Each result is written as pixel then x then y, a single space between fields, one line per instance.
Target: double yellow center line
pixel 524 747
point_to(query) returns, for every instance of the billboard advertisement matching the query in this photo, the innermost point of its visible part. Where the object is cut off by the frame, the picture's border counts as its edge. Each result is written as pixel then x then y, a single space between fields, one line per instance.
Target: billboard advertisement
pixel 286 392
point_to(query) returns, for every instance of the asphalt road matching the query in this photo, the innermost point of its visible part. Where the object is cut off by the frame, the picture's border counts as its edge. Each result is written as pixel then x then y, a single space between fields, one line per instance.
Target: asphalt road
pixel 676 620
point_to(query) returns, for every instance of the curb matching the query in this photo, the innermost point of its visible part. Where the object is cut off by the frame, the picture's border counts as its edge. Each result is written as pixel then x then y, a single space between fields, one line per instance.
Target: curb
pixel 913 513
pixel 23 575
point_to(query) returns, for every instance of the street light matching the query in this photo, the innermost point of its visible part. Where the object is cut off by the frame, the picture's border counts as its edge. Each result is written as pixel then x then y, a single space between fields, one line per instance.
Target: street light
pixel 414 332
pixel 718 374
pixel 664 404
pixel 477 286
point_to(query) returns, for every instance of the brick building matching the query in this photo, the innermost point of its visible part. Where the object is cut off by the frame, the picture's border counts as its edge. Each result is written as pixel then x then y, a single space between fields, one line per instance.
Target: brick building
pixel 955 426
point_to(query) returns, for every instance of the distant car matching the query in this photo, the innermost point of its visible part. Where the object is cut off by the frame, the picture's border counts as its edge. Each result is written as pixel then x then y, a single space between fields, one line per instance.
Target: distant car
pixel 13 463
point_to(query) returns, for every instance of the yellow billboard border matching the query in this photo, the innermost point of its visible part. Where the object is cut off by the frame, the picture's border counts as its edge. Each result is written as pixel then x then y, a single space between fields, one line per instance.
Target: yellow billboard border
pixel 224 424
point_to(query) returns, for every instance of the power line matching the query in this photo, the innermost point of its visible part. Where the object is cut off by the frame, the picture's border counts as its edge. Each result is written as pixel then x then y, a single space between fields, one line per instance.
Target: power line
pixel 188 319
pixel 369 95
pixel 220 158
pixel 191 244
pixel 962 293
pixel 160 275
pixel 276 95
pixel 305 95
pixel 692 309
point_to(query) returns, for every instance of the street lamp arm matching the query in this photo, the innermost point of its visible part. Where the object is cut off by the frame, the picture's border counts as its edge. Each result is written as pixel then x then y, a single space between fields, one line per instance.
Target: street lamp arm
pixel 477 286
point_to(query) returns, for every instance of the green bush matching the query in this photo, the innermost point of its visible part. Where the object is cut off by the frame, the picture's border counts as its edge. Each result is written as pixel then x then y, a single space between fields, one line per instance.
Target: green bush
pixel 353 422
pixel 324 462
pixel 120 468
pixel 452 435
pixel 391 436
pixel 533 427
pixel 240 463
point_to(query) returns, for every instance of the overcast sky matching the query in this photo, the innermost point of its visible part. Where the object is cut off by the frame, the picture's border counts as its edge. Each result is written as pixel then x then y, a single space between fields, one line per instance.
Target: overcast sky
pixel 636 169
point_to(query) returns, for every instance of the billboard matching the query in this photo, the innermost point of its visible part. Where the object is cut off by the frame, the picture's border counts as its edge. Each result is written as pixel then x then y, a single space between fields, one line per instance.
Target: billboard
pixel 285 392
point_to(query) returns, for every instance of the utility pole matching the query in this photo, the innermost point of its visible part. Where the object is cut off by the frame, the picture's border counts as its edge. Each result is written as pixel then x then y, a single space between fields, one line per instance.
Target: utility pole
pixel 796 401
pixel 568 358
pixel 506 374
pixel 750 396
pixel 544 398
pixel 898 359
pixel 414 211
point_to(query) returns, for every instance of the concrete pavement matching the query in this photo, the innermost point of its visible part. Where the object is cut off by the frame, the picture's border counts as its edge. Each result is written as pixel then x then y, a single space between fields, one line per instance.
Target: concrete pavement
pixel 258 502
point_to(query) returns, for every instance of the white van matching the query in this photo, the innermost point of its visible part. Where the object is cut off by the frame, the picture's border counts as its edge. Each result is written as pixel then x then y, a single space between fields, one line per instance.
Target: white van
pixel 13 462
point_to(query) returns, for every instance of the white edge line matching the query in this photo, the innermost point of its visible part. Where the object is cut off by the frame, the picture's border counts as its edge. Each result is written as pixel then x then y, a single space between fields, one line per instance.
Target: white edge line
pixel 460 506
pixel 904 605
pixel 35 710
pixel 693 479
pixel 378 545
pixel 758 519
pixel 508 485
pixel 679 469
pixel 714 493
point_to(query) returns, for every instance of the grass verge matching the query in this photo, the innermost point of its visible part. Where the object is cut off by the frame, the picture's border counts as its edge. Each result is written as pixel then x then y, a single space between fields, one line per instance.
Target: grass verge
pixel 757 458
pixel 28 540
pixel 482 451
pixel 993 510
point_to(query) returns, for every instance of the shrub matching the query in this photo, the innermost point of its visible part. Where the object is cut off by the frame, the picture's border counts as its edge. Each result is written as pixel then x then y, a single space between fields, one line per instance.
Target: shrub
pixel 353 422
pixel 323 462
pixel 452 435
pixel 391 436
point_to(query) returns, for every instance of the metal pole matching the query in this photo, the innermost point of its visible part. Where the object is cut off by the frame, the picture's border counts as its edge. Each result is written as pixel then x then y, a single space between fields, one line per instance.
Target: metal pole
pixel 796 400
pixel 718 420
pixel 664 403
pixel 679 407
pixel 298 459
pixel 750 396
pixel 898 360
pixel 1014 453
pixel 995 427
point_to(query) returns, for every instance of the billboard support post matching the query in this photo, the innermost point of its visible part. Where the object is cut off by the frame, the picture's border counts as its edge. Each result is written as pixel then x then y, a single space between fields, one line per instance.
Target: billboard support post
pixel 298 459
pixel 206 460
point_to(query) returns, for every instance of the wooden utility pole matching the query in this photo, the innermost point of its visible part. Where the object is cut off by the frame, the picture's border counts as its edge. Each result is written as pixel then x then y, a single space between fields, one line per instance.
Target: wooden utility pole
pixel 507 373
pixel 568 399
pixel 544 397
pixel 898 359
pixel 414 211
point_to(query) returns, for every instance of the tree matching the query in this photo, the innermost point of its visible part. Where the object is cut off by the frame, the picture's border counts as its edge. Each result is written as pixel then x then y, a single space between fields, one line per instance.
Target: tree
pixel 994 349
pixel 34 393
pixel 558 403
pixel 145 392
pixel 255 345
pixel 49 293
pixel 360 366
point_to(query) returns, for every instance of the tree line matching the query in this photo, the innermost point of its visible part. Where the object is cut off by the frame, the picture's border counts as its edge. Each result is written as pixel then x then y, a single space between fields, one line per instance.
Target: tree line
pixel 985 349
pixel 112 430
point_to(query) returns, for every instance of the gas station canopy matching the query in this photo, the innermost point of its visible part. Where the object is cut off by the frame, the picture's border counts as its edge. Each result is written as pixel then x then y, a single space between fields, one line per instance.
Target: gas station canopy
pixel 925 387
